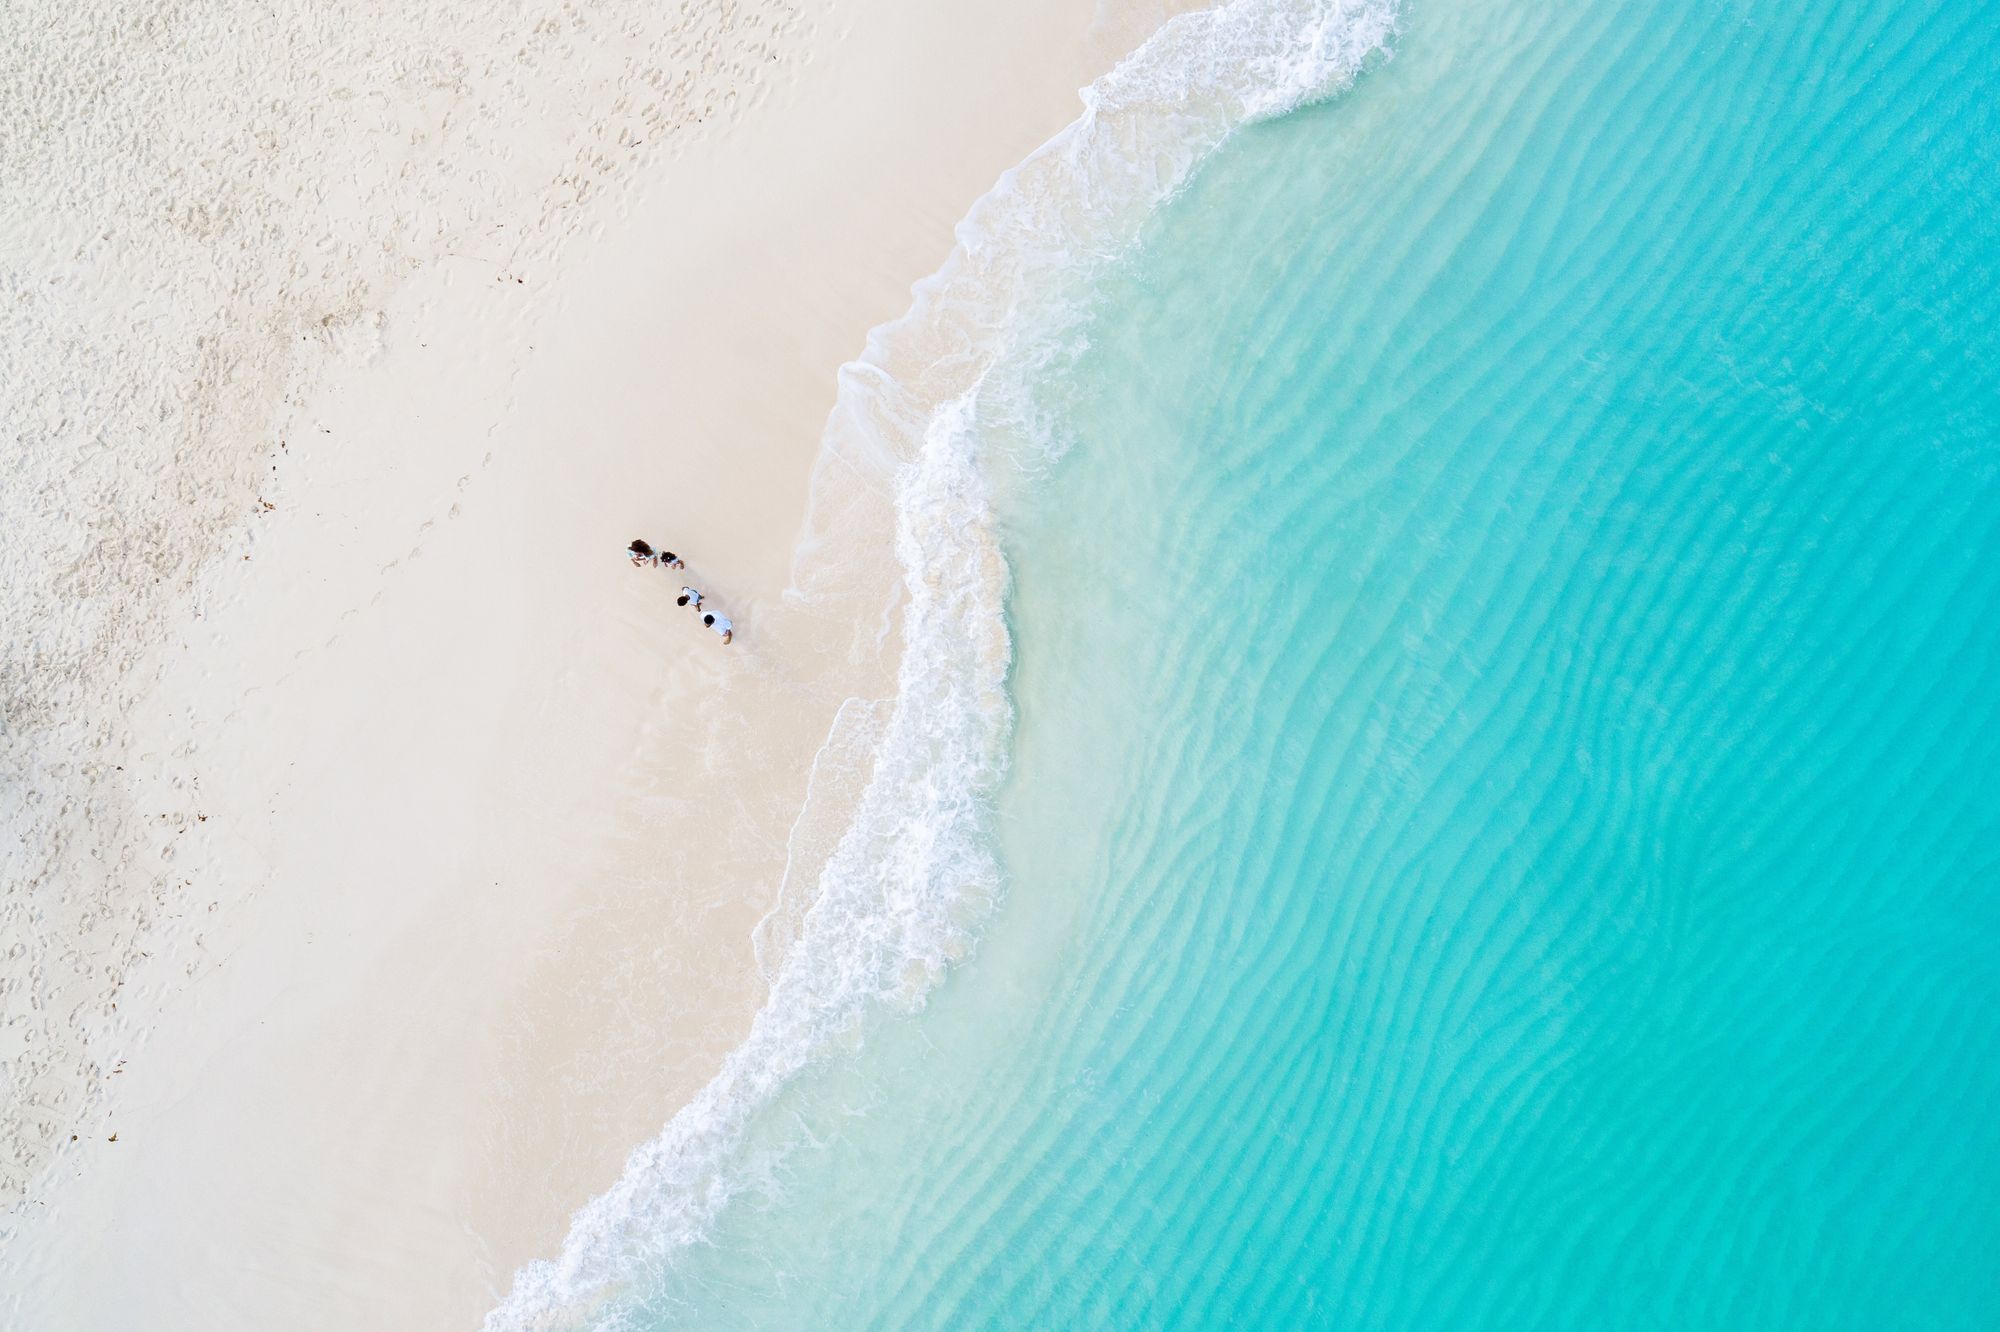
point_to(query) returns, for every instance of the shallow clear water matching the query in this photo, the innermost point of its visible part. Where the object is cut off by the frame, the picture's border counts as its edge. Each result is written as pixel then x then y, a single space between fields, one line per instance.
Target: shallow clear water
pixel 1503 823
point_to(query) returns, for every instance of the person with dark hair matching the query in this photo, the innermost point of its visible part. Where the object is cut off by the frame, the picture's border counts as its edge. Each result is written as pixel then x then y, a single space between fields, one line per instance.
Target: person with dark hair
pixel 688 597
pixel 720 624
pixel 643 554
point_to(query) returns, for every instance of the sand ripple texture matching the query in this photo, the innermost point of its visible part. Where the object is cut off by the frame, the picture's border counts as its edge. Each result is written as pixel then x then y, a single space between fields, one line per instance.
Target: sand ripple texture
pixel 202 206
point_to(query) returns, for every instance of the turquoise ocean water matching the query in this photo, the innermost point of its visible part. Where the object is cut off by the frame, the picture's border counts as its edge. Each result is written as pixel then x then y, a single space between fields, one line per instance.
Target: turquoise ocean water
pixel 1504 825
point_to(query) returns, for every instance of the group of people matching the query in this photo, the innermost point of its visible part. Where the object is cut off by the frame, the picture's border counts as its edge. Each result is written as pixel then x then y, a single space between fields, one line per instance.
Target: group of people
pixel 643 554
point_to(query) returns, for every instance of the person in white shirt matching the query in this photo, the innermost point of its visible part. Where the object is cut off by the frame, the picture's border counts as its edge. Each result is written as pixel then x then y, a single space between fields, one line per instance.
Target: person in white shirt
pixel 688 597
pixel 719 623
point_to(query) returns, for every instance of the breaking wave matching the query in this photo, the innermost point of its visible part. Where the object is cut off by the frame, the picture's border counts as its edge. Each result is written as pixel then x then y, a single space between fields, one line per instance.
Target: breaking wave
pixel 926 426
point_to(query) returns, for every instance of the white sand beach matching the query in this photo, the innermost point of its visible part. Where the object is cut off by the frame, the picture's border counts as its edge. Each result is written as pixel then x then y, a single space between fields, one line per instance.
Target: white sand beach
pixel 469 827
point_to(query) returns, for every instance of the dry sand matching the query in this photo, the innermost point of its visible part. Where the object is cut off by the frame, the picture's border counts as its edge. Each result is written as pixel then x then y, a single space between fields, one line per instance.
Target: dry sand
pixel 486 822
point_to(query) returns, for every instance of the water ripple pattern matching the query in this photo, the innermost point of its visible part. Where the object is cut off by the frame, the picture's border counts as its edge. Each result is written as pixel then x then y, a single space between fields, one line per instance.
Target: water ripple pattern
pixel 1502 824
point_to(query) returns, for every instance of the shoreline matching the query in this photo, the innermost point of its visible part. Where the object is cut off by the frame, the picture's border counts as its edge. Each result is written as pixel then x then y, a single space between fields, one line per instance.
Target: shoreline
pixel 475 938
pixel 936 420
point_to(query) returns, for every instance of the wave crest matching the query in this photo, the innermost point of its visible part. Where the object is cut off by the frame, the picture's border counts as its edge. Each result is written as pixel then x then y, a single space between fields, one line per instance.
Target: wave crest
pixel 923 421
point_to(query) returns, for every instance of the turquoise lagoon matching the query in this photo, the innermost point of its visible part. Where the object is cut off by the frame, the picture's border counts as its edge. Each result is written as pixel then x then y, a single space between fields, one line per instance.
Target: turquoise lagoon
pixel 1504 820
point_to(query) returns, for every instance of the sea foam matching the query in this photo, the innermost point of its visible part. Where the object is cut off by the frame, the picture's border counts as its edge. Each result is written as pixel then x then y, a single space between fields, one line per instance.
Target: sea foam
pixel 925 422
